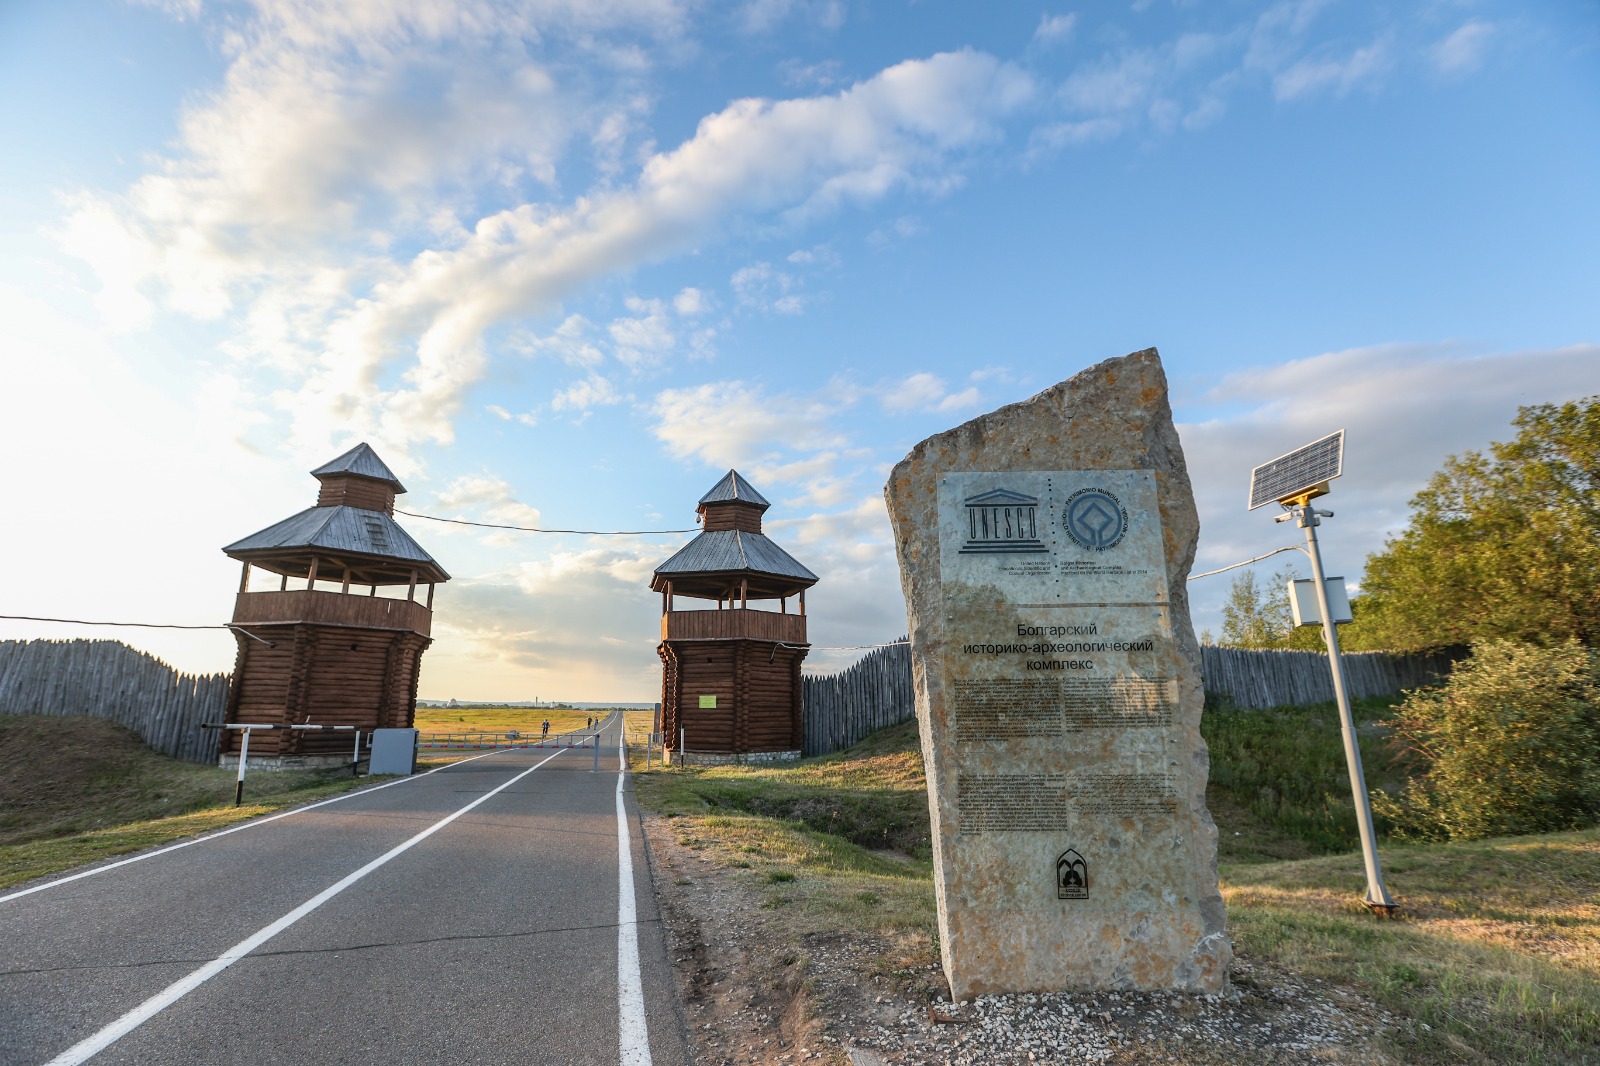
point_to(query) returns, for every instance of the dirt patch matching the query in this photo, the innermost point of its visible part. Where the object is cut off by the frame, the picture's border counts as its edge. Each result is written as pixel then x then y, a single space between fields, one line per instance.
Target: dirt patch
pixel 759 987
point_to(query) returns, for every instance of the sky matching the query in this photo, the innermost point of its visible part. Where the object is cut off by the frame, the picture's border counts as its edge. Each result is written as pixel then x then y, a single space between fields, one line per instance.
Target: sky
pixel 564 263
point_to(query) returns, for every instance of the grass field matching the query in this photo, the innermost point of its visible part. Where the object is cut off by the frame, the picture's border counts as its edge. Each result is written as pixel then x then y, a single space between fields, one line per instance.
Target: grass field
pixel 78 790
pixel 500 719
pixel 1496 957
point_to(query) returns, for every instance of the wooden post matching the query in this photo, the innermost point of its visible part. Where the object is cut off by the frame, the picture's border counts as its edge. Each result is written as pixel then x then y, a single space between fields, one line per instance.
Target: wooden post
pixel 244 578
pixel 311 574
pixel 669 597
pixel 374 591
pixel 346 588
pixel 802 601
pixel 744 593
pixel 783 605
pixel 430 596
pixel 283 586
pixel 411 592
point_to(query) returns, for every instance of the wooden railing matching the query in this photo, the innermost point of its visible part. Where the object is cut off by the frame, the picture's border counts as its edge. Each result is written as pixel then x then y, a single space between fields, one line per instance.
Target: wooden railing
pixel 740 623
pixel 331 608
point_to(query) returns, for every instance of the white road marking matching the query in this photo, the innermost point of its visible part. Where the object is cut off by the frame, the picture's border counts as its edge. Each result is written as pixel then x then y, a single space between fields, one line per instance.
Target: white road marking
pixel 92 1046
pixel 633 1035
pixel 251 824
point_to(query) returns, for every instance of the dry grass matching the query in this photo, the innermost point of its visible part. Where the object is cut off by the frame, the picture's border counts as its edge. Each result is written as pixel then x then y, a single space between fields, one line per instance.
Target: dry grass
pixel 499 719
pixel 78 790
pixel 1495 959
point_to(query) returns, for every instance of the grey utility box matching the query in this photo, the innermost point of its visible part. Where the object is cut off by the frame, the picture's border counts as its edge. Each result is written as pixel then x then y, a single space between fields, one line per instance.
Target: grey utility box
pixel 394 751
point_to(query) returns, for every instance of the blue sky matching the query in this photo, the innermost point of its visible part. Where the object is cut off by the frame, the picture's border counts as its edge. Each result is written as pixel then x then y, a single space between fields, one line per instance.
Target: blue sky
pixel 564 262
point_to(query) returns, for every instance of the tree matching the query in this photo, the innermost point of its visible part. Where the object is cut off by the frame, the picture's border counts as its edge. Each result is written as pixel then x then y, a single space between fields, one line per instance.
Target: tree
pixel 1499 546
pixel 1510 744
pixel 1257 615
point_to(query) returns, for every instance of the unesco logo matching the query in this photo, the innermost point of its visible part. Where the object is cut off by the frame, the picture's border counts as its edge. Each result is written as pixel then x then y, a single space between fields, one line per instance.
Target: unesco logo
pixel 1095 519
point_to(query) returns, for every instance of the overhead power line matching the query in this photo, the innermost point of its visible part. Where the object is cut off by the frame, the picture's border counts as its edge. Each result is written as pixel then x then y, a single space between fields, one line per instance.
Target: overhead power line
pixel 1247 562
pixel 533 529
pixel 81 622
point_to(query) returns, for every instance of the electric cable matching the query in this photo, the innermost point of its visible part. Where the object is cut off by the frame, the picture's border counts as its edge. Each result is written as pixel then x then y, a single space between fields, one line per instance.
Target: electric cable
pixel 534 529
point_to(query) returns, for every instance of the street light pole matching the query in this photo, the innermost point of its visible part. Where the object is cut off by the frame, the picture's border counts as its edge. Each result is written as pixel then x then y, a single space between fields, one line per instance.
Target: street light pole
pixel 1378 898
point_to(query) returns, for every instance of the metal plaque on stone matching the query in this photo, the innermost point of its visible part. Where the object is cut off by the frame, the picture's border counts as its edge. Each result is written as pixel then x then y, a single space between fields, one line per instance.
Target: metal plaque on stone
pixel 1043 551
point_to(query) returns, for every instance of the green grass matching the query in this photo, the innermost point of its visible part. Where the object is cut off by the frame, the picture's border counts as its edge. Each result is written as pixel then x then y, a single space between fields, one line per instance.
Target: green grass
pixel 1496 957
pixel 78 790
pixel 1282 773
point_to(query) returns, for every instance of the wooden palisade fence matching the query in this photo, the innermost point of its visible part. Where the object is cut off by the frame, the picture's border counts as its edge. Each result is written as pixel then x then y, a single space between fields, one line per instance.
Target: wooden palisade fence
pixel 876 691
pixel 108 679
pixel 873 692
pixel 1247 678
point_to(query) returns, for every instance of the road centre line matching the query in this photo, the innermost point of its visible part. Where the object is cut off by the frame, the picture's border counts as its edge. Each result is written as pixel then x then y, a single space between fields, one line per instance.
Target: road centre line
pixel 93 1045
pixel 251 824
pixel 633 1035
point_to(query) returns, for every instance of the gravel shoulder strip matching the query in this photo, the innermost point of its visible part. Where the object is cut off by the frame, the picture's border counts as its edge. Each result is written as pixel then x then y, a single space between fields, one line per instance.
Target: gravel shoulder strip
pixel 758 987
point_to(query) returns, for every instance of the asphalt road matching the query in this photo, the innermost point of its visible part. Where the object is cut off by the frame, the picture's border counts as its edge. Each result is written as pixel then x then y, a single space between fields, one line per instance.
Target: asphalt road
pixel 501 936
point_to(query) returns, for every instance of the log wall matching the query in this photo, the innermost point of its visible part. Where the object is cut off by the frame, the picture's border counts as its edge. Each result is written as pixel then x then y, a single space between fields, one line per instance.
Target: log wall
pixel 757 686
pixel 365 493
pixel 108 679
pixel 322 675
pixel 719 516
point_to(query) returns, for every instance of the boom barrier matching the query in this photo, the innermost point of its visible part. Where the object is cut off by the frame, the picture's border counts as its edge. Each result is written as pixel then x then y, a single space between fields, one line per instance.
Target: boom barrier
pixel 511 740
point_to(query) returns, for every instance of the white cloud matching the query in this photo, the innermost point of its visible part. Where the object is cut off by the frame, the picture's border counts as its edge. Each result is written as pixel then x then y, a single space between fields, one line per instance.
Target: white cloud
pixel 314 200
pixel 1114 84
pixel 645 339
pixel 1053 29
pixel 1362 68
pixel 1462 52
pixel 486 498
pixel 593 391
pixel 579 624
pixel 737 424
pixel 691 302
pixel 923 391
pixel 761 287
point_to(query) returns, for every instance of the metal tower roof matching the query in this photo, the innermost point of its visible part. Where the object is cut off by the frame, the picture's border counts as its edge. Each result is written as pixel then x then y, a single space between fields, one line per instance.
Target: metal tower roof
pixel 733 488
pixel 360 461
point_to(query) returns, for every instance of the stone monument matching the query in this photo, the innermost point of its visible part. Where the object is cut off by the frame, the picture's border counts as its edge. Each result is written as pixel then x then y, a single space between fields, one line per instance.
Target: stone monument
pixel 1043 551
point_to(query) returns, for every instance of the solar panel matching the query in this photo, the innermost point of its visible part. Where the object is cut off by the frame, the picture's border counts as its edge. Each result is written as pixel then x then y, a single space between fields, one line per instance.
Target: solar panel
pixel 1299 472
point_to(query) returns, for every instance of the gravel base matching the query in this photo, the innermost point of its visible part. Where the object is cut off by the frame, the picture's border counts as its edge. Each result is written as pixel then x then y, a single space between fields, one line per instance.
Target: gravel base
pixel 760 987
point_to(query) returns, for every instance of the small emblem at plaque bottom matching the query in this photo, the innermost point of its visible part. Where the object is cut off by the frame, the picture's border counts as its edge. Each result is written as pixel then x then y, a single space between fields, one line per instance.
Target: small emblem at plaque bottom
pixel 1072 876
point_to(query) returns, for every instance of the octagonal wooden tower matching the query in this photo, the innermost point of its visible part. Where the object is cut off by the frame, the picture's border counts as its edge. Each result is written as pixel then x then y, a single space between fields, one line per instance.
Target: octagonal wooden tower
pixel 730 685
pixel 331 650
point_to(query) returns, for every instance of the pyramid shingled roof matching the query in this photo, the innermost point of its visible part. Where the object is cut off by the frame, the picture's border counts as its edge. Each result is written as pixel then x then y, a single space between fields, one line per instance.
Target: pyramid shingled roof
pixel 735 551
pixel 360 461
pixel 733 488
pixel 339 531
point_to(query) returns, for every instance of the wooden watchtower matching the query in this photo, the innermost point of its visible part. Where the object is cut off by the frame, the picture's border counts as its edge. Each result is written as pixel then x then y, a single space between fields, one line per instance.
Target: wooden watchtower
pixel 332 649
pixel 731 675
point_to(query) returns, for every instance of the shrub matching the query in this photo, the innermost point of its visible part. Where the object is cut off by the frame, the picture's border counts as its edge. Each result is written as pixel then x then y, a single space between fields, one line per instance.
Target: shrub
pixel 1510 744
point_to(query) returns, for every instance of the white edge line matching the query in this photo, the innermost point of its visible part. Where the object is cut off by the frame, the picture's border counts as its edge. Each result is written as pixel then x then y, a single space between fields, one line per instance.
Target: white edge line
pixel 249 824
pixel 633 1035
pixel 92 1046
